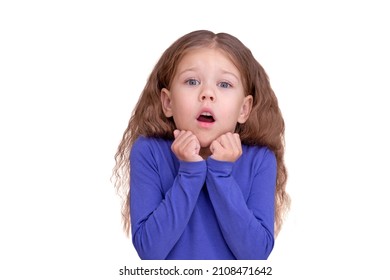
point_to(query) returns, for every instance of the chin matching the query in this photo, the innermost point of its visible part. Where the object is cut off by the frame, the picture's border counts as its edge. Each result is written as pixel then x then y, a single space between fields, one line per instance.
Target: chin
pixel 205 143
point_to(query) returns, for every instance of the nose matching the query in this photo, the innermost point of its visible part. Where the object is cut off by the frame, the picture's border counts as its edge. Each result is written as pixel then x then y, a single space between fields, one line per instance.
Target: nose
pixel 206 94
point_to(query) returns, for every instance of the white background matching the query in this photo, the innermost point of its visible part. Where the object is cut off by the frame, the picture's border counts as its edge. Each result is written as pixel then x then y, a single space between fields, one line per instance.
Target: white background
pixel 71 72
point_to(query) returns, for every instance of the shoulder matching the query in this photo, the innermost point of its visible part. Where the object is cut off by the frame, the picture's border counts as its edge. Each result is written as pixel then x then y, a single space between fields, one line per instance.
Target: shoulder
pixel 257 151
pixel 258 156
pixel 150 145
pixel 150 142
pixel 150 155
pixel 256 169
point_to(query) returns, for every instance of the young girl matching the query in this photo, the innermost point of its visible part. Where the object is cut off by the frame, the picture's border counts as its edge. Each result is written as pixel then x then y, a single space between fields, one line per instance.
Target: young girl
pixel 200 164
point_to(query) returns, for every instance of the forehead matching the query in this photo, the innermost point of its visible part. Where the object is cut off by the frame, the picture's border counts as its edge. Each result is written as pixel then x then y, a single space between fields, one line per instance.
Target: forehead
pixel 206 55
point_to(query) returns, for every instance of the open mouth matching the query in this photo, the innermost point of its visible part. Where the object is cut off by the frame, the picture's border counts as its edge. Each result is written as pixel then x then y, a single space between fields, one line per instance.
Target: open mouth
pixel 206 117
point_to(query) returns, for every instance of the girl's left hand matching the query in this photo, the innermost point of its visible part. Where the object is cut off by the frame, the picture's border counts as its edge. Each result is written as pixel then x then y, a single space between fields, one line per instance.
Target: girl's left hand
pixel 227 147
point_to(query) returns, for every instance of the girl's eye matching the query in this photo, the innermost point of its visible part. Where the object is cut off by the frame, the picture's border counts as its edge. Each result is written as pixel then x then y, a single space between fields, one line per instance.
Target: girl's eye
pixel 192 82
pixel 224 85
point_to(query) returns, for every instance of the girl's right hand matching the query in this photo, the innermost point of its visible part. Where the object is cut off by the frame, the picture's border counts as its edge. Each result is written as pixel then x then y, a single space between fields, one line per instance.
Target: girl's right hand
pixel 186 146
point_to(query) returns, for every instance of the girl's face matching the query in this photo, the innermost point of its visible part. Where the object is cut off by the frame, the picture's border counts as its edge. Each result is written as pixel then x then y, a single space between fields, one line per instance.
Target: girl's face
pixel 206 95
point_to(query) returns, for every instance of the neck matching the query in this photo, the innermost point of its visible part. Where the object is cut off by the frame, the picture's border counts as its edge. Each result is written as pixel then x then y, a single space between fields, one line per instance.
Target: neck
pixel 205 152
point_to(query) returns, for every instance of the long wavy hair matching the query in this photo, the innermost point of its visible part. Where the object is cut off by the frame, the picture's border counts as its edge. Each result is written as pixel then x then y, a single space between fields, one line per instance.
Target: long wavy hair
pixel 265 126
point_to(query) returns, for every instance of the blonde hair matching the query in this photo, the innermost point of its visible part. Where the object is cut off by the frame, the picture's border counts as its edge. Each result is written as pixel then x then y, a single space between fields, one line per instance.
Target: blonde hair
pixel 265 126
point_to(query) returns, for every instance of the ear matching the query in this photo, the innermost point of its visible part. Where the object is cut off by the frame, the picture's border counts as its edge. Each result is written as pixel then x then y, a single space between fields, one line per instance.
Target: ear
pixel 245 109
pixel 166 102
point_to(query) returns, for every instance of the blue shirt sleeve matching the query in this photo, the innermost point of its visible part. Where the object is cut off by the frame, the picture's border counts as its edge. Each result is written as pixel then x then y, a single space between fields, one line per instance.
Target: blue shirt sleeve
pixel 247 224
pixel 158 220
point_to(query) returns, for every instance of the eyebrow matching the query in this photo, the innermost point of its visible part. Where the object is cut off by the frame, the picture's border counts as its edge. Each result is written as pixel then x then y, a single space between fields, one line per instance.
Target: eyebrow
pixel 186 70
pixel 230 73
pixel 195 68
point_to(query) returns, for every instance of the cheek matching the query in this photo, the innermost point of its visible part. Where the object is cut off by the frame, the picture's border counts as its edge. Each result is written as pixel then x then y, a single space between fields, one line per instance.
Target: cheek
pixel 231 108
pixel 182 110
pixel 181 107
pixel 231 120
pixel 183 99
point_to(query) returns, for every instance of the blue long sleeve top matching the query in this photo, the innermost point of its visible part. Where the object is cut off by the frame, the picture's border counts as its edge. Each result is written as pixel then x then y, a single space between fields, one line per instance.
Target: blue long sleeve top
pixel 201 210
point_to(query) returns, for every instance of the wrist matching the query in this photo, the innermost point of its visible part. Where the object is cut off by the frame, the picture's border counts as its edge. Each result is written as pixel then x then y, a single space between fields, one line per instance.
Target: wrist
pixel 220 166
pixel 192 166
